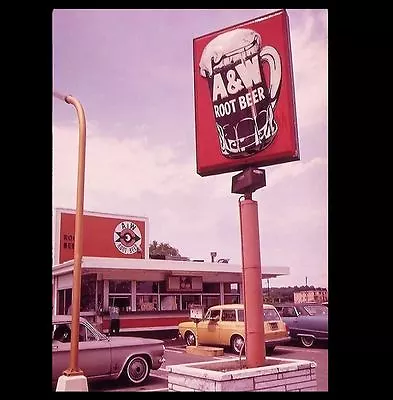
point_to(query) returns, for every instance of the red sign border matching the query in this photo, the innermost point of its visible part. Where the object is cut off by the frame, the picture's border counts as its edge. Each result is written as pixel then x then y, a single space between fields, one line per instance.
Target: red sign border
pixel 278 158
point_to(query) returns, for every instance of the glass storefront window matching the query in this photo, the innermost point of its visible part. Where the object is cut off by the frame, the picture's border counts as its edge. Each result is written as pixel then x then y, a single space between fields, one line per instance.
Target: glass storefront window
pixel 232 299
pixel 231 288
pixel 120 295
pixel 187 301
pixel 209 301
pixel 211 287
pixel 116 286
pixel 169 302
pixel 162 286
pixel 88 292
pixel 64 301
pixel 122 302
pixel 146 287
pixel 100 295
pixel 147 303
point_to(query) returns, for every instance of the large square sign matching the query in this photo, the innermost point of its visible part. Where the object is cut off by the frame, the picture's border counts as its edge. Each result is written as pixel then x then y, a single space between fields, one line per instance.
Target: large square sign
pixel 244 96
pixel 104 235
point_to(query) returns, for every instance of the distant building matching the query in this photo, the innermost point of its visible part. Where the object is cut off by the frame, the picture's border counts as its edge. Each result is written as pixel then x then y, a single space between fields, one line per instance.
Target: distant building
pixel 310 295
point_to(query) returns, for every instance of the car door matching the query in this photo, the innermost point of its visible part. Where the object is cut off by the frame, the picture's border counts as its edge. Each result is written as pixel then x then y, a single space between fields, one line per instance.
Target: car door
pixel 94 353
pixel 208 328
pixel 94 357
pixel 290 316
pixel 227 326
pixel 312 323
pixel 60 349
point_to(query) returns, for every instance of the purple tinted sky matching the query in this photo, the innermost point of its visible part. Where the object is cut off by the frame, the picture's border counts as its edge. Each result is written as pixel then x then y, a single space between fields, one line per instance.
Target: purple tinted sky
pixel 132 71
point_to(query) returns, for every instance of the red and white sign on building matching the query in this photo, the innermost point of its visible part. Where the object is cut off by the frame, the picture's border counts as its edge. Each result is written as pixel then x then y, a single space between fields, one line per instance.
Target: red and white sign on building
pixel 244 96
pixel 104 235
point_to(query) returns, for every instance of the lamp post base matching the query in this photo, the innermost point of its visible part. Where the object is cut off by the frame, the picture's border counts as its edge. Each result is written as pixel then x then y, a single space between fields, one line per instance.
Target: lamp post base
pixel 73 383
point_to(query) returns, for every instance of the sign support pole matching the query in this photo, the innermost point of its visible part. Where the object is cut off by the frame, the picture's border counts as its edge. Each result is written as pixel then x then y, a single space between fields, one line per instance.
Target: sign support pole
pixel 252 283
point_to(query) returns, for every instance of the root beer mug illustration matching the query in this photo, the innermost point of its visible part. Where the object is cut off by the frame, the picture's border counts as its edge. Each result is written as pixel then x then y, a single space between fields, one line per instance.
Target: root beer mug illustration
pixel 243 104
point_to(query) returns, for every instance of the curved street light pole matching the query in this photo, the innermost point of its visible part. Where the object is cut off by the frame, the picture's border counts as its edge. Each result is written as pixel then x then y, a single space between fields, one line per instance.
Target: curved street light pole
pixel 78 250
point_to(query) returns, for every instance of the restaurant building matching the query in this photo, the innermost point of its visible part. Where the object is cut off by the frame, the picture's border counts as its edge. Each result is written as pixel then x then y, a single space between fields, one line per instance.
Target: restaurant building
pixel 152 294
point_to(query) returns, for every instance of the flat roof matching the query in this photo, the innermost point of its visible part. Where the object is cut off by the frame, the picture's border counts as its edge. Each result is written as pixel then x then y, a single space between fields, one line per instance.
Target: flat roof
pixel 101 264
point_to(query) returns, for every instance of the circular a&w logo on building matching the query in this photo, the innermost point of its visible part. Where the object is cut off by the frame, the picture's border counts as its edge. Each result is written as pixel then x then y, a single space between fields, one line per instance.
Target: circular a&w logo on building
pixel 127 237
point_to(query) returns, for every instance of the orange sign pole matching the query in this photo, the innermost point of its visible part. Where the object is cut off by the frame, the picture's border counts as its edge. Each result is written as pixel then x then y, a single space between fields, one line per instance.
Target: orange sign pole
pixel 252 282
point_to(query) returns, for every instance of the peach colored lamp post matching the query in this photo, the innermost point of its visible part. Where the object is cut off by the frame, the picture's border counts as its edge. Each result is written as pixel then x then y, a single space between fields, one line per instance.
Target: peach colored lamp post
pixel 76 286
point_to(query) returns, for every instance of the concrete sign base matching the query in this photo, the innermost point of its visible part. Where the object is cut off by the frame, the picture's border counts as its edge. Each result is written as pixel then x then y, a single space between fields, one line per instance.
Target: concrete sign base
pixel 277 375
pixel 77 383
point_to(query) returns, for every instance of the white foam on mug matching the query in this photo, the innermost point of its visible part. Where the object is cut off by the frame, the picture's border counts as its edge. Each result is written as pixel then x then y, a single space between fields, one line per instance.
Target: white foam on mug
pixel 227 43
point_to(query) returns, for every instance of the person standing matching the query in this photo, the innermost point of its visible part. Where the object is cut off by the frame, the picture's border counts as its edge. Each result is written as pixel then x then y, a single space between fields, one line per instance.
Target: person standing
pixel 114 320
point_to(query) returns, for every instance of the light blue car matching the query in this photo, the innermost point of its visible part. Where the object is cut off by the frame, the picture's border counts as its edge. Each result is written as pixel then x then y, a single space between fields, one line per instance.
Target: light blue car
pixel 307 322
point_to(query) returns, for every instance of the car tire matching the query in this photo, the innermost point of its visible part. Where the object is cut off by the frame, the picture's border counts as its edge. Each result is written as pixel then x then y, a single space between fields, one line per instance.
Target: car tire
pixel 137 370
pixel 307 341
pixel 237 343
pixel 269 350
pixel 190 338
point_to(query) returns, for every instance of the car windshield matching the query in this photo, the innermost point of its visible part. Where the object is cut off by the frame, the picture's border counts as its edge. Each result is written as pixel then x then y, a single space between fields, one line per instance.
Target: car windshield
pixel 269 314
pixel 316 310
pixel 95 330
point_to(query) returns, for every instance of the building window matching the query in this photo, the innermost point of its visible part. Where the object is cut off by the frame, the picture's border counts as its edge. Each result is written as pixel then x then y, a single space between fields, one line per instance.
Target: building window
pixel 100 295
pixel 88 292
pixel 116 286
pixel 211 287
pixel 231 293
pixel 231 288
pixel 209 301
pixel 123 302
pixel 147 287
pixel 146 302
pixel 64 301
pixel 187 301
pixel 169 302
pixel 120 295
pixel 147 296
pixel 232 299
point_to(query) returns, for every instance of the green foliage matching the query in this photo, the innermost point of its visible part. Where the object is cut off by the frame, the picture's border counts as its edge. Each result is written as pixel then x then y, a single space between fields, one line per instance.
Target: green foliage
pixel 166 249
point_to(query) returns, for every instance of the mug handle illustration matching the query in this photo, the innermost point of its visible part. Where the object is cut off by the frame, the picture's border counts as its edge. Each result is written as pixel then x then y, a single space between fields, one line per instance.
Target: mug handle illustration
pixel 270 54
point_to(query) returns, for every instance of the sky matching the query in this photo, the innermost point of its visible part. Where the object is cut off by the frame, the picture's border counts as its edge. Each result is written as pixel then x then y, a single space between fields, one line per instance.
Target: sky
pixel 132 70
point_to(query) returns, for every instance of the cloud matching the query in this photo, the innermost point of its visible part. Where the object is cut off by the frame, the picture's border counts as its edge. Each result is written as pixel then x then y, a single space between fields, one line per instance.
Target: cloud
pixel 133 169
pixel 196 215
pixel 309 55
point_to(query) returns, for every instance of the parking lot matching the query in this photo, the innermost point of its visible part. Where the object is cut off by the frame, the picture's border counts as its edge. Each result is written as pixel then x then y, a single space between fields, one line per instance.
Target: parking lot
pixel 175 353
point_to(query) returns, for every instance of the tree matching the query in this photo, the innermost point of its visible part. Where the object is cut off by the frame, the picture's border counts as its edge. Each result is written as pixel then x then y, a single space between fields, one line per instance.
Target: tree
pixel 165 249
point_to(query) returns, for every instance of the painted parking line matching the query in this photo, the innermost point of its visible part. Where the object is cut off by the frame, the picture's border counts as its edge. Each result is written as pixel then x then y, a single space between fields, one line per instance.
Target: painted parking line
pixel 174 350
pixel 181 350
pixel 301 349
pixel 164 389
pixel 225 356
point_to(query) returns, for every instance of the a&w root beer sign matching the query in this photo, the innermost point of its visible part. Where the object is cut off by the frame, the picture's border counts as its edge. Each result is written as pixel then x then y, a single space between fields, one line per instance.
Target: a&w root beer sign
pixel 244 96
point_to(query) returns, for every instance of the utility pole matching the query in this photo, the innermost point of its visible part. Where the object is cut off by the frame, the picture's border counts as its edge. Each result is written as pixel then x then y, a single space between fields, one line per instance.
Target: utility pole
pixel 268 289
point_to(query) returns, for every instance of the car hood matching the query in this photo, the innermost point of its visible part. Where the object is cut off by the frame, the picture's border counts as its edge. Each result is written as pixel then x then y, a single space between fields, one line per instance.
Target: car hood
pixel 133 341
